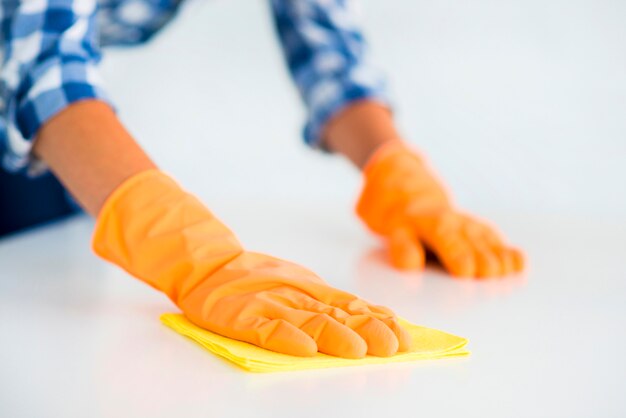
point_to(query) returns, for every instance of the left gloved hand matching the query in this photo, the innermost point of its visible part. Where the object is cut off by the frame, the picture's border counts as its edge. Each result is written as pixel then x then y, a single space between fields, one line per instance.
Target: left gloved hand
pixel 403 202
pixel 167 238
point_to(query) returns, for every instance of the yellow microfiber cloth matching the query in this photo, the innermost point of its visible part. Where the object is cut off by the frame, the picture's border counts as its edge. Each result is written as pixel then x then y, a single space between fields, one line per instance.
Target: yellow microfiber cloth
pixel 428 343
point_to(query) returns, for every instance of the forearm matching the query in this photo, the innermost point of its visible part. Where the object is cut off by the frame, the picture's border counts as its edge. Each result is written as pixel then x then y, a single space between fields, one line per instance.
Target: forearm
pixel 357 131
pixel 91 153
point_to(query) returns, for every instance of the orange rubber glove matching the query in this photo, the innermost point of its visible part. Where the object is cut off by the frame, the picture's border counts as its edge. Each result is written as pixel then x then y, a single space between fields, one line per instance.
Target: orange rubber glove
pixel 166 237
pixel 402 201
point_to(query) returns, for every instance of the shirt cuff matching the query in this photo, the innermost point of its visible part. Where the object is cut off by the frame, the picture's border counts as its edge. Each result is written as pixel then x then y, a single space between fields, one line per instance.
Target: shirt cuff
pixel 330 96
pixel 51 88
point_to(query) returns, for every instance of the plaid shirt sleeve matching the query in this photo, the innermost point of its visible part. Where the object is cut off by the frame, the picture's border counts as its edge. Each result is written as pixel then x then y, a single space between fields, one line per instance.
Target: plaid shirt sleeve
pixel 49 55
pixel 133 22
pixel 327 57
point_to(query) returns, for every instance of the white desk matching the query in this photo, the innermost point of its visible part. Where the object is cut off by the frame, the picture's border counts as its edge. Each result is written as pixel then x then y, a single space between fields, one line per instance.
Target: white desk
pixel 82 339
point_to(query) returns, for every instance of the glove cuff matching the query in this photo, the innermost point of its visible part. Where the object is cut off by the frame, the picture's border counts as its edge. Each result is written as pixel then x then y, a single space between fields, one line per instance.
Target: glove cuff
pixel 386 151
pixel 161 234
pixel 396 181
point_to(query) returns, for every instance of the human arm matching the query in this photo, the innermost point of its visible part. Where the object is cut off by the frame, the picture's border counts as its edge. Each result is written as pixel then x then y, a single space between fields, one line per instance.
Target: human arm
pixel 146 223
pixel 164 236
pixel 402 200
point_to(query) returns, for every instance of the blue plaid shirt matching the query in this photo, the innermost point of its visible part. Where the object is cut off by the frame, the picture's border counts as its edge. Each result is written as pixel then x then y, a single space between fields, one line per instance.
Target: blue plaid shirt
pixel 50 51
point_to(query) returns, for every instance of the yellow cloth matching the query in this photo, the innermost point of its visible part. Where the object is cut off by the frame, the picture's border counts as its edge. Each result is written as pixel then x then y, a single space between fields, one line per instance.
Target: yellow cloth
pixel 428 343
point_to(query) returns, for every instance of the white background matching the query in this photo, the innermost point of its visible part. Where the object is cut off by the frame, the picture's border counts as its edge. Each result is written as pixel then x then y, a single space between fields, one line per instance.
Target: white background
pixel 520 105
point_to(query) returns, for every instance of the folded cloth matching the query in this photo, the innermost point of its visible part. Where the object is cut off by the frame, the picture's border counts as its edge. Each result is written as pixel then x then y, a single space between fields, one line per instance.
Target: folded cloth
pixel 427 344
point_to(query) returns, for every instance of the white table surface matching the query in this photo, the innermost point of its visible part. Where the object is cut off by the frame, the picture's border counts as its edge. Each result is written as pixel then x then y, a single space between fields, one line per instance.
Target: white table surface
pixel 81 338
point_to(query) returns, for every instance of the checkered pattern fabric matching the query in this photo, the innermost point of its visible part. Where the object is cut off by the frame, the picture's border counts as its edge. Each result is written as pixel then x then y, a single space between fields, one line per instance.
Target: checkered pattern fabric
pixel 327 57
pixel 50 50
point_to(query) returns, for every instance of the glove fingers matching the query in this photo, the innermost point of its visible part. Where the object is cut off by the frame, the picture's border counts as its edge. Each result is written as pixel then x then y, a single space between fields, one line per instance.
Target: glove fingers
pixel 322 322
pixel 444 236
pixel 286 297
pixel 455 253
pixel 405 251
pixel 357 307
pixel 389 318
pixel 518 259
pixel 403 336
pixel 507 262
pixel 331 336
pixel 487 263
pixel 486 240
pixel 381 340
pixel 281 336
pixel 512 258
pixel 367 320
pixel 475 230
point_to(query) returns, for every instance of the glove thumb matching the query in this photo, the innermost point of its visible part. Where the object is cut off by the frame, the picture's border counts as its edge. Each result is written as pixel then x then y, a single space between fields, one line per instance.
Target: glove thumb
pixel 405 251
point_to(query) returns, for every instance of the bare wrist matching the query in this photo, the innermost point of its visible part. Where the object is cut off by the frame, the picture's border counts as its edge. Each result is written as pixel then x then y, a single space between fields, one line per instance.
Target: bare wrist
pixel 90 152
pixel 359 130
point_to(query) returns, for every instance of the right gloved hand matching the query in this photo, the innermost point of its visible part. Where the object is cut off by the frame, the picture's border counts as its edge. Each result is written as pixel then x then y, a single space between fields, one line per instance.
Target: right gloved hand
pixel 164 236
pixel 403 202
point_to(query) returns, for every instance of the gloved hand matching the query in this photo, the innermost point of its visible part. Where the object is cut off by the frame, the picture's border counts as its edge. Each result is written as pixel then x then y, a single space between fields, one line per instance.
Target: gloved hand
pixel 164 236
pixel 402 201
